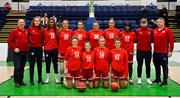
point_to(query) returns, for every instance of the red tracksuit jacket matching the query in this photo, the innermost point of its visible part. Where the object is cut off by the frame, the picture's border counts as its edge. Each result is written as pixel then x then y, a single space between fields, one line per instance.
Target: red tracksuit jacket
pixel 144 37
pixel 163 40
pixel 18 39
pixel 35 37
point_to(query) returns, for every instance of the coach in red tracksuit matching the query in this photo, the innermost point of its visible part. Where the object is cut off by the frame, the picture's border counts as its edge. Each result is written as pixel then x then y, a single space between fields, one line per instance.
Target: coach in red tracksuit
pixel 35 49
pixel 163 47
pixel 144 38
pixel 18 42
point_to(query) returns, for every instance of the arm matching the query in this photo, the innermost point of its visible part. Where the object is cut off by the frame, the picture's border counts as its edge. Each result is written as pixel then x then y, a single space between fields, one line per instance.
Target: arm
pixel 171 43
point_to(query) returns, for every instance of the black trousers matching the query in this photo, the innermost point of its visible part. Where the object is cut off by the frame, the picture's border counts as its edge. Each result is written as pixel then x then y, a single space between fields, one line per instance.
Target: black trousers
pixel 51 55
pixel 19 60
pixel 35 56
pixel 140 56
pixel 161 59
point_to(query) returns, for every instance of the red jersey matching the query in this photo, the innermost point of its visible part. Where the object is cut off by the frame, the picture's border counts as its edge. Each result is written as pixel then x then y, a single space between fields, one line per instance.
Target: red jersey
pixel 110 35
pixel 87 59
pixel 64 38
pixel 120 61
pixel 94 37
pixel 81 35
pixel 35 36
pixel 18 39
pixel 72 56
pixel 127 41
pixel 163 40
pixel 50 39
pixel 144 39
pixel 102 58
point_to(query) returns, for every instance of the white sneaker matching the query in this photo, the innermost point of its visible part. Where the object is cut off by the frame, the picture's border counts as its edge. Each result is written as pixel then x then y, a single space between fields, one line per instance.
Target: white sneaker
pixel 131 82
pixel 139 81
pixel 47 81
pixel 57 81
pixel 47 78
pixel 149 81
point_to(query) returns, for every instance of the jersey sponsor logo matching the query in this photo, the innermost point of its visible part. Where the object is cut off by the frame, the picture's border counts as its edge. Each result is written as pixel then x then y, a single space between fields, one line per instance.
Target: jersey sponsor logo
pixel 140 33
pixel 32 53
pixel 66 36
pixel 88 58
pixel 101 54
pixel 117 56
pixel 127 38
pixel 96 36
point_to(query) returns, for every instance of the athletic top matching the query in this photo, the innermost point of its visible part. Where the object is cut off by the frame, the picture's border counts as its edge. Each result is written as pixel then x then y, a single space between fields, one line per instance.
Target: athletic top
pixel 82 37
pixel 87 59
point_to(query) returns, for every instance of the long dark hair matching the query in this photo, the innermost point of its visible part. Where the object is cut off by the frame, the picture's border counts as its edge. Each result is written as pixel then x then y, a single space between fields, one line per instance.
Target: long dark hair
pixel 54 26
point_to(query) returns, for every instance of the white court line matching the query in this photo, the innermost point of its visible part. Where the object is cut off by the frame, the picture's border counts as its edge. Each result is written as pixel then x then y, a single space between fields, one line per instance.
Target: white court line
pixel 84 97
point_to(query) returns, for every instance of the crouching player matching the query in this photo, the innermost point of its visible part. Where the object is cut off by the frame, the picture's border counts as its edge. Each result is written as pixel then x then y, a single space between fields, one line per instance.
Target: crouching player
pixel 119 65
pixel 72 63
pixel 87 59
pixel 102 55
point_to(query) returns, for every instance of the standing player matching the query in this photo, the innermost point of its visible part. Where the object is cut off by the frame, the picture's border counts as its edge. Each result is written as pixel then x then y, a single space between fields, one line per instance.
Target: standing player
pixel 144 39
pixel 95 34
pixel 110 34
pixel 119 64
pixel 163 47
pixel 64 39
pixel 81 34
pixel 72 63
pixel 18 42
pixel 35 50
pixel 87 60
pixel 102 58
pixel 50 49
pixel 127 43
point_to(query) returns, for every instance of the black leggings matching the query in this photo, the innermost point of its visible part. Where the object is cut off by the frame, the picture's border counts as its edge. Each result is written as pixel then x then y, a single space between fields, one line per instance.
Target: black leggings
pixel 35 55
pixel 51 55
pixel 141 55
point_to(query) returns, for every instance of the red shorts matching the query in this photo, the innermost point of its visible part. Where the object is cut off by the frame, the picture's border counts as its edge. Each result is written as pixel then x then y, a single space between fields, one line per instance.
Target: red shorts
pixel 61 56
pixel 87 74
pixel 99 73
pixel 73 74
pixel 117 75
pixel 130 57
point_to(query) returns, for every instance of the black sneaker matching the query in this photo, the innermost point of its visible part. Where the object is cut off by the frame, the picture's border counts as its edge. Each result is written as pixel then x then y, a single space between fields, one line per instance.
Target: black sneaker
pixel 23 84
pixel 32 83
pixel 40 82
pixel 157 81
pixel 17 85
pixel 61 80
pixel 163 84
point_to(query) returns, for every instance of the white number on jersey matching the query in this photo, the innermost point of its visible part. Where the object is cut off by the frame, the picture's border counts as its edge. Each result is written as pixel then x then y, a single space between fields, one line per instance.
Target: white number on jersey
pixel 76 54
pixel 101 54
pixel 79 36
pixel 111 35
pixel 66 36
pixel 96 36
pixel 88 58
pixel 52 35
